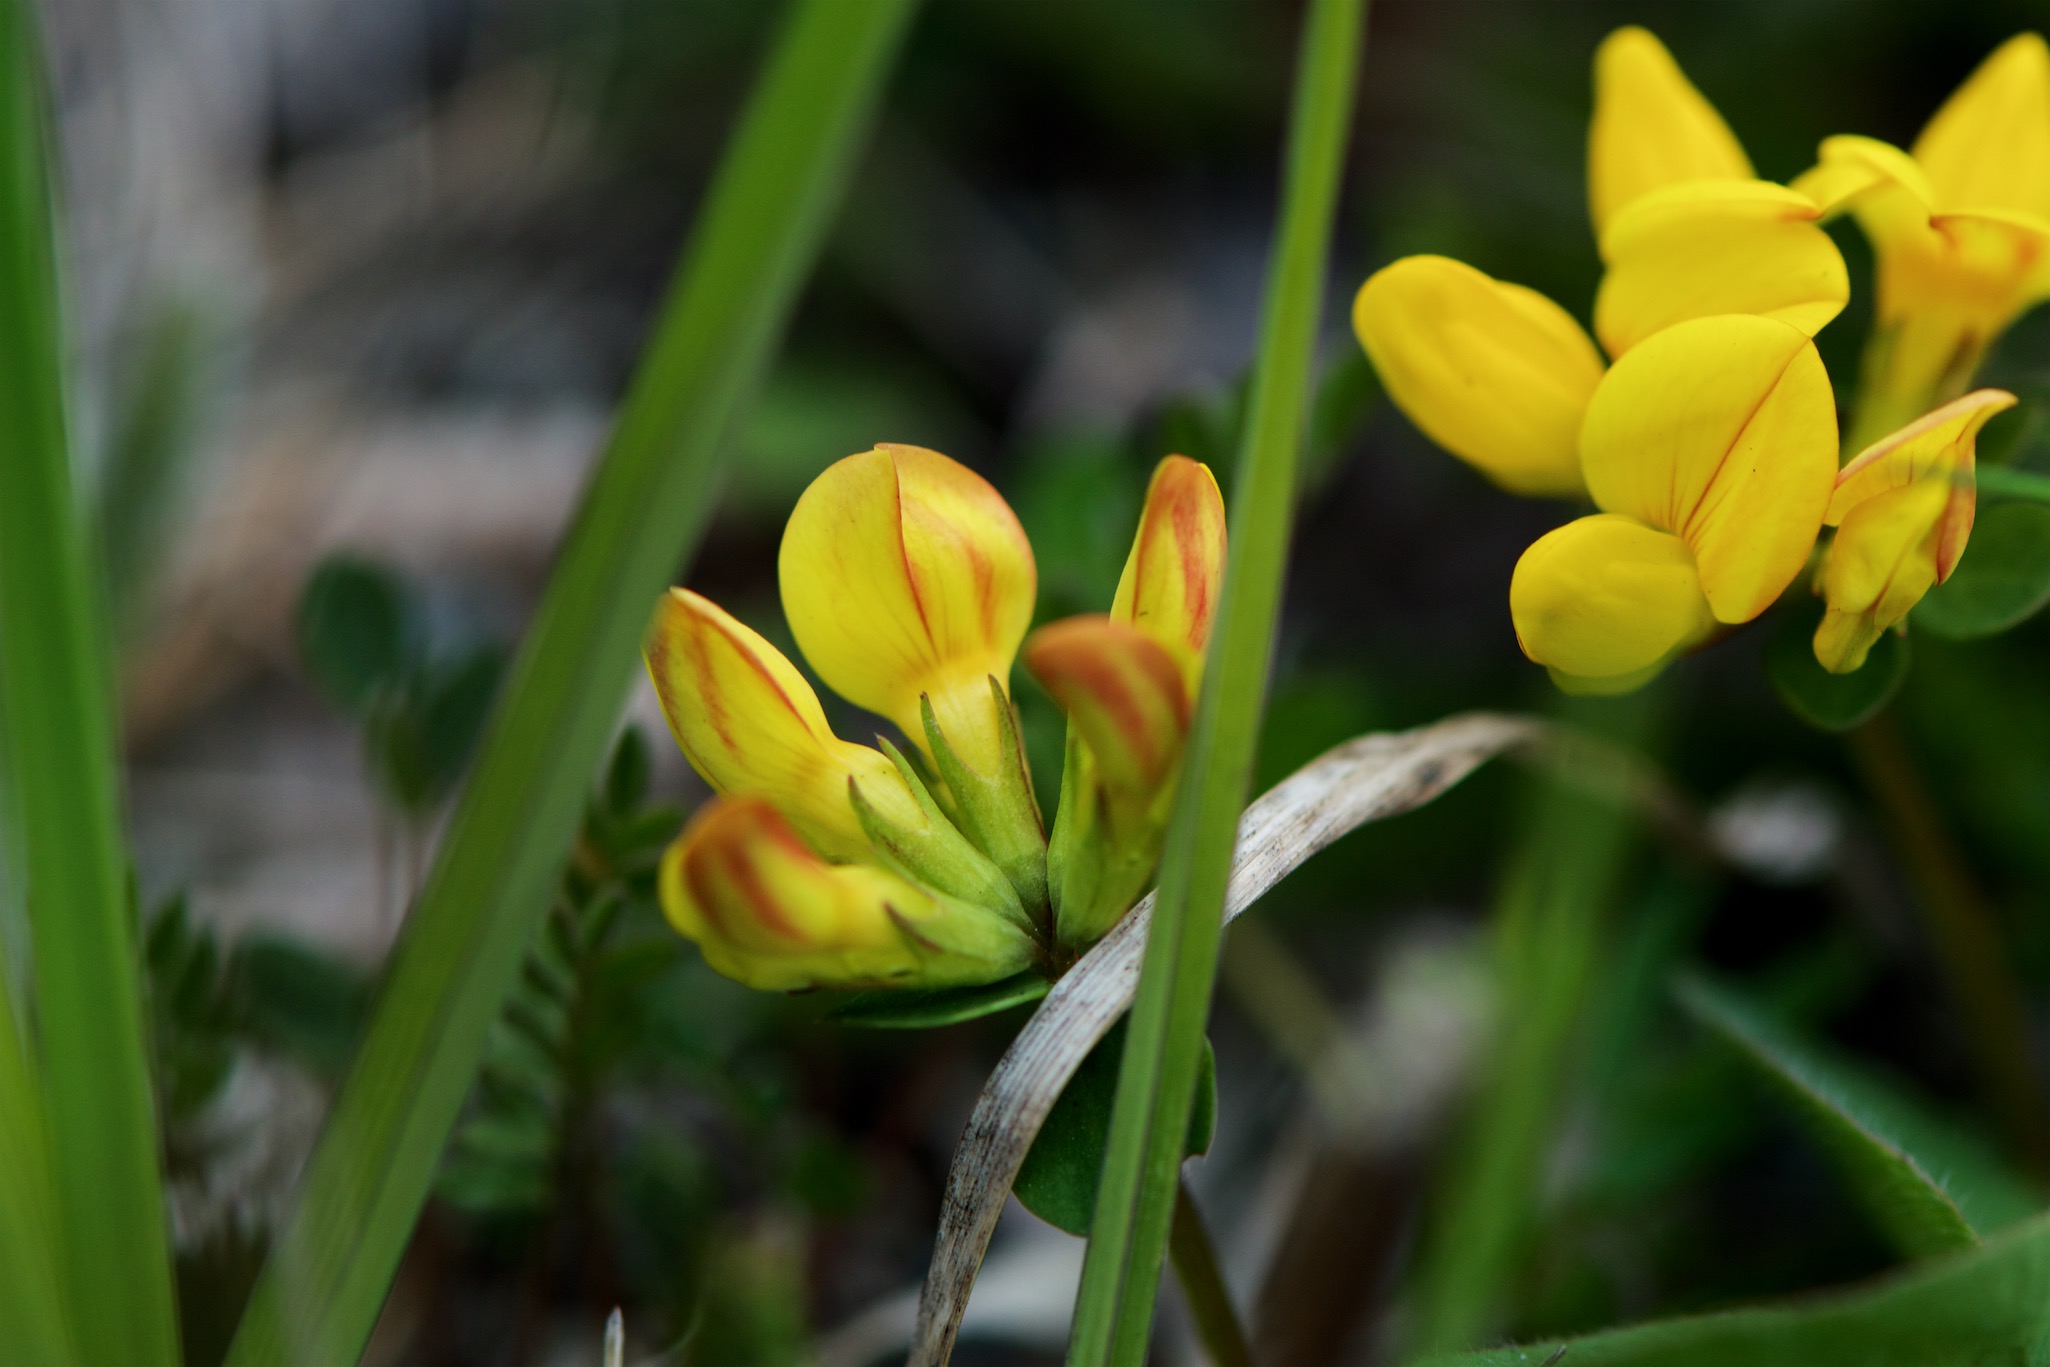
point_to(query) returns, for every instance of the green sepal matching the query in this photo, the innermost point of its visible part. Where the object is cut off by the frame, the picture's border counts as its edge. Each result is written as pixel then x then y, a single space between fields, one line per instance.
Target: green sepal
pixel 938 856
pixel 998 812
pixel 1104 850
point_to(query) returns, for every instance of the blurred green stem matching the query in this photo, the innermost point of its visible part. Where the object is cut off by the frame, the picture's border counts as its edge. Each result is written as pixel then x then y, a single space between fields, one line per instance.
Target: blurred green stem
pixel 2000 481
pixel 1969 953
pixel 1202 1282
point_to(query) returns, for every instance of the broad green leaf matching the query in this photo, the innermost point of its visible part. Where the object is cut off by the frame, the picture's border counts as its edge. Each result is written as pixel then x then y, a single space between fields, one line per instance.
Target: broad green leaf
pixel 1163 1051
pixel 1988 1307
pixel 357 635
pixel 1059 1179
pixel 1929 1190
pixel 1833 702
pixel 57 708
pixel 923 1009
pixel 2002 580
pixel 756 235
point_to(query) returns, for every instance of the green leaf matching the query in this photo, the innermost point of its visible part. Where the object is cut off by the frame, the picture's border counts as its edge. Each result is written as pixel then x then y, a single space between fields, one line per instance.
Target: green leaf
pixel 1059 1178
pixel 357 632
pixel 1833 702
pixel 757 233
pixel 2002 580
pixel 57 731
pixel 1928 1189
pixel 923 1009
pixel 1985 1308
pixel 297 1000
pixel 1163 1052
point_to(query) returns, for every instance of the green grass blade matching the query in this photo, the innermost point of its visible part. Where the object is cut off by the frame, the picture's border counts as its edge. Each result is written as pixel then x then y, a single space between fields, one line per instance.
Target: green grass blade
pixel 32 1293
pixel 1929 1189
pixel 57 706
pixel 1121 1273
pixel 1989 1306
pixel 754 244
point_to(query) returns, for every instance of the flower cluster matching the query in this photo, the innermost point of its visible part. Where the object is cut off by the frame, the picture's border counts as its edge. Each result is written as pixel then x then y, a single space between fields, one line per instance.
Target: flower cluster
pixel 1708 439
pixel 908 586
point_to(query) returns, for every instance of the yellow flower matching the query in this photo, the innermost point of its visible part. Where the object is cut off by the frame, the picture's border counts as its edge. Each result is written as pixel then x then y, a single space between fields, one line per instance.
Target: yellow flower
pixel 1960 226
pixel 1711 450
pixel 1128 683
pixel 768 912
pixel 1495 373
pixel 1903 511
pixel 750 725
pixel 905 576
pixel 1651 129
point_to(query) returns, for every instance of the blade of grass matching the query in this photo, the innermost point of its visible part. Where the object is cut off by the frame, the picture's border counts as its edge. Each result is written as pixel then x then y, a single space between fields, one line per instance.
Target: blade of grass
pixel 32 1294
pixel 56 704
pixel 755 241
pixel 1135 1205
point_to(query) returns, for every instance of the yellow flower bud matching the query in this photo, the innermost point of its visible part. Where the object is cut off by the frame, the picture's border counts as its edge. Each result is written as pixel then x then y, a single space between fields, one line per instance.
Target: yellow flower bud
pixel 1903 510
pixel 1651 128
pixel 1495 373
pixel 904 574
pixel 1123 692
pixel 750 725
pixel 1172 577
pixel 769 913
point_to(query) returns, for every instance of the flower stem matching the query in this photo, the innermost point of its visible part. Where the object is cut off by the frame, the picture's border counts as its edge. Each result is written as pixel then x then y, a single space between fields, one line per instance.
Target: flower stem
pixel 1966 938
pixel 1202 1282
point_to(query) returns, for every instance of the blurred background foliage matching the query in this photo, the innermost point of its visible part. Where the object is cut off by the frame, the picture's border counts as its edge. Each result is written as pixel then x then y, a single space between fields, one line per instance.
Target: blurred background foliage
pixel 357 284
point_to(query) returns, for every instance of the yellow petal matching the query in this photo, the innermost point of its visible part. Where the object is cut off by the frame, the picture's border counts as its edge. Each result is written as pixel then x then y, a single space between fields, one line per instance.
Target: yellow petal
pixel 1722 431
pixel 1651 127
pixel 1988 147
pixel 904 573
pixel 1880 564
pixel 749 724
pixel 1939 449
pixel 1122 691
pixel 769 913
pixel 1717 247
pixel 1495 373
pixel 1847 165
pixel 1171 579
pixel 1605 601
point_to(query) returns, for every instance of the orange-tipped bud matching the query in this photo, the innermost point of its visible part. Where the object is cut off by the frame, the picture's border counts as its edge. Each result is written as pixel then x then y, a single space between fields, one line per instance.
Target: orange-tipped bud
pixel 1122 691
pixel 769 913
pixel 1176 567
pixel 751 726
pixel 904 574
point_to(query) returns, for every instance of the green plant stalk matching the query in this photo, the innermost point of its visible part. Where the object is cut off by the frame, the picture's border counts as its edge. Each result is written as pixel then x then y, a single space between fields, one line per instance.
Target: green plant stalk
pixel 757 236
pixel 57 707
pixel 1157 1083
pixel 1202 1281
pixel 1969 953
pixel 33 1321
pixel 1999 481
pixel 1548 941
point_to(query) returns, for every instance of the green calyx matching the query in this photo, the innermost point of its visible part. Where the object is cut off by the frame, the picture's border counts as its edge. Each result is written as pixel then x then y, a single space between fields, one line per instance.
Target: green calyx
pixel 1105 849
pixel 997 811
pixel 936 853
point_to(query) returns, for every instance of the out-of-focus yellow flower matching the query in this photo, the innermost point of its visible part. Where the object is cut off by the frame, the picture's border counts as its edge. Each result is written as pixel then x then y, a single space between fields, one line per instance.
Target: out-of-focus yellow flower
pixel 750 725
pixel 1961 228
pixel 768 912
pixel 1128 683
pixel 1709 247
pixel 905 576
pixel 1651 129
pixel 1495 373
pixel 1903 512
pixel 1711 450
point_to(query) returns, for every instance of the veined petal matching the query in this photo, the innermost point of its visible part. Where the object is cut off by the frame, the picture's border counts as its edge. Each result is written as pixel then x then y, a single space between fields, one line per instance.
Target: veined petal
pixel 1495 373
pixel 1169 586
pixel 905 574
pixel 1722 431
pixel 1122 690
pixel 1606 600
pixel 1651 127
pixel 750 725
pixel 1880 564
pixel 1940 450
pixel 1691 251
pixel 1988 147
pixel 769 913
